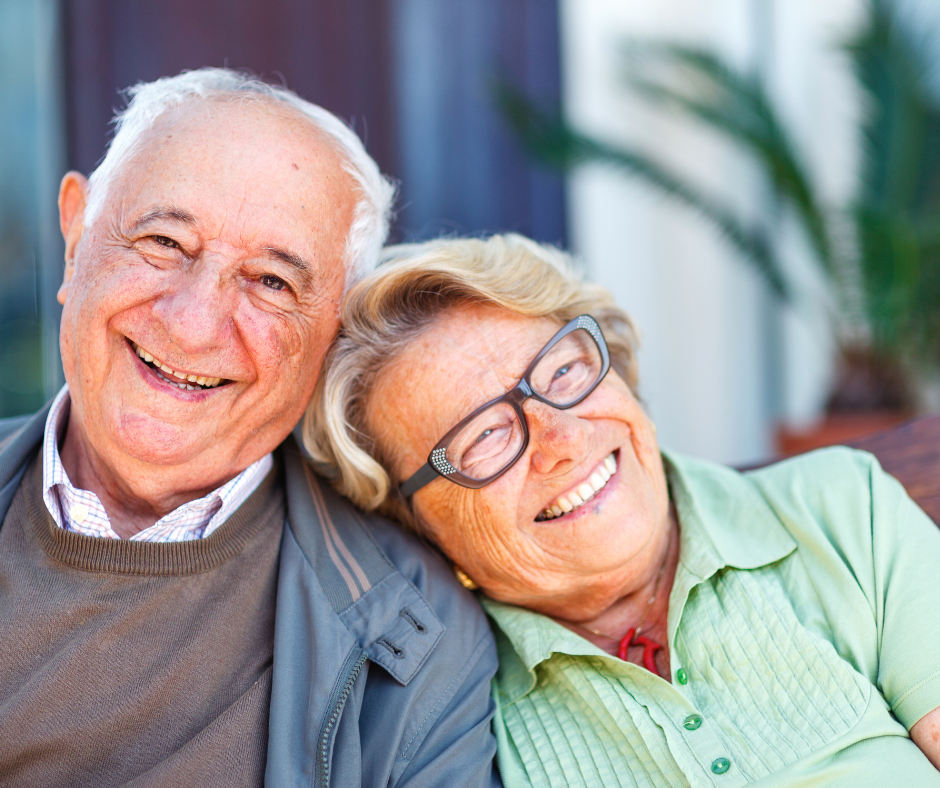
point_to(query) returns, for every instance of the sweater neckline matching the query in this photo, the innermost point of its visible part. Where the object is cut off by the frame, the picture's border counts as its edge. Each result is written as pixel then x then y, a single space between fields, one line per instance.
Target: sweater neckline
pixel 263 509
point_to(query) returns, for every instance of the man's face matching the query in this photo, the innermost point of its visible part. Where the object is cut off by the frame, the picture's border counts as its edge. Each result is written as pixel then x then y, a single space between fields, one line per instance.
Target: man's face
pixel 219 254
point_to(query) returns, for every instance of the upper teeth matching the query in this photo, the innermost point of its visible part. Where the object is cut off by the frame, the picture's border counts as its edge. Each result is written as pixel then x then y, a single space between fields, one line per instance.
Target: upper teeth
pixel 199 380
pixel 583 492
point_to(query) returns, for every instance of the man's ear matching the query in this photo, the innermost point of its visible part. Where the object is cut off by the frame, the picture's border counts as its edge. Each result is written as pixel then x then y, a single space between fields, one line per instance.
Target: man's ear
pixel 73 195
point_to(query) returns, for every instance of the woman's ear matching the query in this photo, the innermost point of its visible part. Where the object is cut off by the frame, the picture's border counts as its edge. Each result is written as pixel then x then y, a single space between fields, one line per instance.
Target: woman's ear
pixel 73 196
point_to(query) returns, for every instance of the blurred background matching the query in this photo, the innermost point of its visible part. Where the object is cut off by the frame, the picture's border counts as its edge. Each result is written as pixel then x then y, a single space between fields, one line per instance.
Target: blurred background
pixel 758 181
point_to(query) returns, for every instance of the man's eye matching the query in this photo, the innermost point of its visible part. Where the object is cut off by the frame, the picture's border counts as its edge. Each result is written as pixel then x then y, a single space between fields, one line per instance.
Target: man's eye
pixel 274 282
pixel 164 241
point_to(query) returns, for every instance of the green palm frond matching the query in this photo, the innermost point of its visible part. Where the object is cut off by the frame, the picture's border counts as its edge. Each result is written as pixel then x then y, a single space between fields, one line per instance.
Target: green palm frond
pixel 901 131
pixel 892 278
pixel 552 141
pixel 897 208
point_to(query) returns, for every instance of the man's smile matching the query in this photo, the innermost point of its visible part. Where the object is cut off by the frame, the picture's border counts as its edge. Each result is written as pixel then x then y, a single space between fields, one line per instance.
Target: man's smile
pixel 182 380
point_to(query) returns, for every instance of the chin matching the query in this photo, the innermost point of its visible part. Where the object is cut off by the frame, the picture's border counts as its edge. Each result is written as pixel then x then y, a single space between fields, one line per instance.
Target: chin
pixel 614 542
pixel 155 442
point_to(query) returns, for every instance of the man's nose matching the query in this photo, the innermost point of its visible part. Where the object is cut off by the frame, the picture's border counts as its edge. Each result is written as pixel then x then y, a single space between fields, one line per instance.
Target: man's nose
pixel 558 438
pixel 197 313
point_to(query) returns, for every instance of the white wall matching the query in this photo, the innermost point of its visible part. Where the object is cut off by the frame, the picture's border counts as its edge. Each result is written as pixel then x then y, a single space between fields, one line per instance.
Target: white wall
pixel 719 365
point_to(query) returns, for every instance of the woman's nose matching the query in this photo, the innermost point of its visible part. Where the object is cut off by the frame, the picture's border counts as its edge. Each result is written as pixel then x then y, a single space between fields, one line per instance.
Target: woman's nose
pixel 557 438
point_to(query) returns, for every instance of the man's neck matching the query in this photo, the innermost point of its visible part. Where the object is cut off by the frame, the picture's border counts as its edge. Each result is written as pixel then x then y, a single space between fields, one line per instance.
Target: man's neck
pixel 132 501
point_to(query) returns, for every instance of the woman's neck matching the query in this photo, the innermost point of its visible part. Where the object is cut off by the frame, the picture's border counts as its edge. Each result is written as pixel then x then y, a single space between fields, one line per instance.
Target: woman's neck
pixel 645 610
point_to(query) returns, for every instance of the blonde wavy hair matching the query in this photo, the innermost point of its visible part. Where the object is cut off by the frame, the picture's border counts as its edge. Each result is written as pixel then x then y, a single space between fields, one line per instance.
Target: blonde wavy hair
pixel 386 311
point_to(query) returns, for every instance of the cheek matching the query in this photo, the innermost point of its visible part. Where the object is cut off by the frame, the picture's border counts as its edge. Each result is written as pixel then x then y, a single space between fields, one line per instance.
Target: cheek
pixel 474 528
pixel 613 401
pixel 97 298
pixel 645 444
pixel 287 350
pixel 66 346
pixel 109 290
pixel 445 515
pixel 311 340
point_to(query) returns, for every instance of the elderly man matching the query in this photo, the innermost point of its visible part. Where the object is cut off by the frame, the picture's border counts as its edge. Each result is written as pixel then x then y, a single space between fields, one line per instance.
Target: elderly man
pixel 181 601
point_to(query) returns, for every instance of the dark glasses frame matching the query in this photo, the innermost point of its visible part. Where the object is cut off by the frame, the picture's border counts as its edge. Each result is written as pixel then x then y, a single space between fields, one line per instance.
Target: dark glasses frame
pixel 437 464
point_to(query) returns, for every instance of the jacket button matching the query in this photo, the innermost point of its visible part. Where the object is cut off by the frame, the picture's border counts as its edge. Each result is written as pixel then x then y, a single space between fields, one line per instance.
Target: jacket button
pixel 681 676
pixel 692 722
pixel 720 765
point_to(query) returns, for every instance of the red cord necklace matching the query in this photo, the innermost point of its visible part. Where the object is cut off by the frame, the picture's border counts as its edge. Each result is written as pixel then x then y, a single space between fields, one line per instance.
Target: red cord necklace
pixel 650 647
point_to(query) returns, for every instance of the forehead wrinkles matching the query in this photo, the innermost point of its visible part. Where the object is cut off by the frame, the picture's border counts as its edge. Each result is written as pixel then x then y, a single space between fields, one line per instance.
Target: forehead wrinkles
pixel 235 135
pixel 502 349
pixel 477 365
pixel 232 166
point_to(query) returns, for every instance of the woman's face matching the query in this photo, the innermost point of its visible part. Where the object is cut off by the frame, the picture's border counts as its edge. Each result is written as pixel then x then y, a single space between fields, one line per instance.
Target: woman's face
pixel 572 566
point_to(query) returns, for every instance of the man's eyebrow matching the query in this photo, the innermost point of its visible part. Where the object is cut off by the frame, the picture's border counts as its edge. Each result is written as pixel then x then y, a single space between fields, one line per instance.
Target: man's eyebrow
pixel 178 215
pixel 294 260
pixel 175 214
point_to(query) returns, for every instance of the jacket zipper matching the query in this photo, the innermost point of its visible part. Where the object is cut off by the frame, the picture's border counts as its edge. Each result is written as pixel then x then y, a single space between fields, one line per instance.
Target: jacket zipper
pixel 338 702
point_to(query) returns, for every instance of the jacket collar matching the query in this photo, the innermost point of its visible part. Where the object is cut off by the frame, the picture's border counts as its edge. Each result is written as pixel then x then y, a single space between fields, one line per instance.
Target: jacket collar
pixel 725 520
pixel 17 447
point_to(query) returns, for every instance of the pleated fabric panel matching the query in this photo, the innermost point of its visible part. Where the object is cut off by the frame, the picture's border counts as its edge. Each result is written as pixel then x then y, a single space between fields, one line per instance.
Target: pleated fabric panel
pixel 579 727
pixel 771 690
pixel 776 691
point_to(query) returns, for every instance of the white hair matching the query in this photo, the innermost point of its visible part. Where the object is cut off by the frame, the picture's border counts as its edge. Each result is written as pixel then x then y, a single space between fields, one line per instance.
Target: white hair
pixel 149 100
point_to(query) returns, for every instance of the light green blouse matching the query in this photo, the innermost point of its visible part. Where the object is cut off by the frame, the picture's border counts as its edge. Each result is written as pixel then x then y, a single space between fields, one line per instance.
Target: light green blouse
pixel 804 625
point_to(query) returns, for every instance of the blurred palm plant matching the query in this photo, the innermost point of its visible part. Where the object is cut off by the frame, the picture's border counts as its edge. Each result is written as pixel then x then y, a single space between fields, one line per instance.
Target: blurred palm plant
pixel 885 283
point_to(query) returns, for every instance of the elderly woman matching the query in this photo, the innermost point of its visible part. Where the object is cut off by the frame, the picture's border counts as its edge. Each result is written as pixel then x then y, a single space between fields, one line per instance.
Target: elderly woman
pixel 662 621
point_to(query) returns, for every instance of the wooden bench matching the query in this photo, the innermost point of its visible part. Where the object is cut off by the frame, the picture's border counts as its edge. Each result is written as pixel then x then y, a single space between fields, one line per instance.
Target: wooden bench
pixel 911 453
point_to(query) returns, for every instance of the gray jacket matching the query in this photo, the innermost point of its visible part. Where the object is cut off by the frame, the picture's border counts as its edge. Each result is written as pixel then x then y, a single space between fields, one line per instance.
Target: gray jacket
pixel 382 662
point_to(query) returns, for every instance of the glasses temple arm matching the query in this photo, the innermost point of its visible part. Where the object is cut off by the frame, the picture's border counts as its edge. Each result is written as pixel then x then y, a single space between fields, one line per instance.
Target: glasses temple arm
pixel 425 475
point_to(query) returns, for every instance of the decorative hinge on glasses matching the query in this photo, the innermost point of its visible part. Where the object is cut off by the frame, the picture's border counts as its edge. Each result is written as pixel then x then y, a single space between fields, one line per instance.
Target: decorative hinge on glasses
pixel 587 323
pixel 439 461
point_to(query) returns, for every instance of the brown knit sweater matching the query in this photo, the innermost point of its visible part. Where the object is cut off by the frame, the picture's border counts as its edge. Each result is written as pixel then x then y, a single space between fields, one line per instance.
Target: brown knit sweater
pixel 130 663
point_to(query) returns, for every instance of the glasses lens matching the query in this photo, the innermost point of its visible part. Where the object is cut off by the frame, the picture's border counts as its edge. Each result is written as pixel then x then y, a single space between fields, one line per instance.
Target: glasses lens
pixel 569 369
pixel 489 443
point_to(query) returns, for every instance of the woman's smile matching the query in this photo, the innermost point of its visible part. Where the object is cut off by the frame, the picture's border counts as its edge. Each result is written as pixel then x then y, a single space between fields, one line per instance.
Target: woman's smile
pixel 580 494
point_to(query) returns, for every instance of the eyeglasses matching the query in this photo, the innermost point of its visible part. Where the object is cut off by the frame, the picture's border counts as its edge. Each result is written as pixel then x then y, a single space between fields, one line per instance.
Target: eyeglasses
pixel 486 444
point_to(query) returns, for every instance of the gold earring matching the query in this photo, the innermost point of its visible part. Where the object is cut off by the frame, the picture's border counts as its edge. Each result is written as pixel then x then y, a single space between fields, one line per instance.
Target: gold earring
pixel 464 579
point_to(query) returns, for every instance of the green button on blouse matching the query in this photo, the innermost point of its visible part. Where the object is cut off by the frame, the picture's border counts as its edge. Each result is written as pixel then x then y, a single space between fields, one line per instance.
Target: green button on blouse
pixel 799 599
pixel 720 765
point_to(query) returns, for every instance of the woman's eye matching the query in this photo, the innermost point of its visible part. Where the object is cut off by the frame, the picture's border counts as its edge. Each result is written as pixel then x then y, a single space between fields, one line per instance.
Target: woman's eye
pixel 488 442
pixel 164 241
pixel 561 371
pixel 483 436
pixel 273 282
